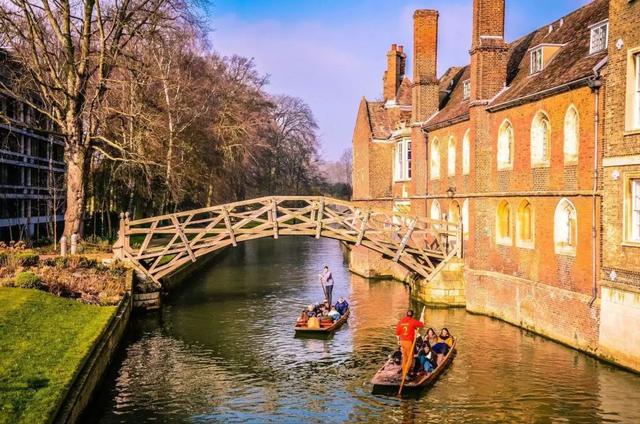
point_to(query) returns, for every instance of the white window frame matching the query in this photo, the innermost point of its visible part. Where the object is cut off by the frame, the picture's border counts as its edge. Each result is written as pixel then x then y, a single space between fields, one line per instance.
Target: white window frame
pixel 636 91
pixel 465 217
pixel 435 159
pixel 466 89
pixel 631 225
pixel 593 48
pixel 564 247
pixel 451 157
pixel 402 160
pixel 540 148
pixel 571 157
pixel 537 60
pixel 466 153
pixel 502 165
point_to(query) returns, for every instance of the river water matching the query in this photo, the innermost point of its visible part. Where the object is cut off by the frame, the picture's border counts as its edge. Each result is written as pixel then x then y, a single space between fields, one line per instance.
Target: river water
pixel 222 349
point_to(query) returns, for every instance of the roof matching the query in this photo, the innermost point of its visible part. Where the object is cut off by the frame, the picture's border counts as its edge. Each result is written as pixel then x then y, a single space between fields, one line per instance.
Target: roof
pixel 382 120
pixel 571 63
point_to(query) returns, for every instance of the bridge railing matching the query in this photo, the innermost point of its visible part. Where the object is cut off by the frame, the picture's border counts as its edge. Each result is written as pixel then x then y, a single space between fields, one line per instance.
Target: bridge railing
pixel 160 245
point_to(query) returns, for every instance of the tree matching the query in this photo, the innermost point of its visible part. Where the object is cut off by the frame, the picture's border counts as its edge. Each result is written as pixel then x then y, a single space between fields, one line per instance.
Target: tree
pixel 65 53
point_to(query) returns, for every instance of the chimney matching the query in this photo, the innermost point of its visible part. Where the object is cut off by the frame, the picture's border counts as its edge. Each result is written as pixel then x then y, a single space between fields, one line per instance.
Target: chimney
pixel 396 62
pixel 488 50
pixel 425 62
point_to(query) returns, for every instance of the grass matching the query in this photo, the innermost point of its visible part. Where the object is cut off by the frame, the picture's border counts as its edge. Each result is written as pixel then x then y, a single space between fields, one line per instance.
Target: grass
pixel 43 341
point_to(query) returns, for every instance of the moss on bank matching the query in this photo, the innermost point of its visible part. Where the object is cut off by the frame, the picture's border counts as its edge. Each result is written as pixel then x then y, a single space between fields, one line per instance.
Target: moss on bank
pixel 43 341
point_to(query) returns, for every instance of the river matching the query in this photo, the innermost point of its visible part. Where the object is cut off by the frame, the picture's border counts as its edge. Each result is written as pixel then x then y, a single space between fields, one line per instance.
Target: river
pixel 222 349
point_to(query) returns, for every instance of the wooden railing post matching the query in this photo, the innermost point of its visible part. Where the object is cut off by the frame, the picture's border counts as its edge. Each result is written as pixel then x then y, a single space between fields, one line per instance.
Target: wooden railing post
pixel 118 247
pixel 319 218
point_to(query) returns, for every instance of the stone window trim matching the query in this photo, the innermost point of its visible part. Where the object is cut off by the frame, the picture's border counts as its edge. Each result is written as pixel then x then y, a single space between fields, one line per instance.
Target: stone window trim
pixel 434 160
pixel 504 224
pixel 565 228
pixel 466 89
pixel 464 212
pixel 451 157
pixel 536 60
pixel 631 209
pixel 521 221
pixel 599 38
pixel 435 212
pixel 571 157
pixel 540 140
pixel 632 100
pixel 402 161
pixel 466 152
pixel 506 140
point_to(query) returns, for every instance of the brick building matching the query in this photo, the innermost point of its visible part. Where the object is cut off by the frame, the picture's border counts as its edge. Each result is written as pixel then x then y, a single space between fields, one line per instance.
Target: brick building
pixel 32 171
pixel 513 145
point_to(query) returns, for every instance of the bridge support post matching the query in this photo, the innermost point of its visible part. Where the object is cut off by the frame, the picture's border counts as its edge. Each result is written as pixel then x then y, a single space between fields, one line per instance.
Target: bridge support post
pixel 404 242
pixel 363 227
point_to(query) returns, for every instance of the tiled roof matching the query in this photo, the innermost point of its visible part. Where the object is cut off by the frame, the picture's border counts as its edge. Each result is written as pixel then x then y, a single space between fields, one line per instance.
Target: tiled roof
pixel 572 62
pixel 383 121
pixel 403 96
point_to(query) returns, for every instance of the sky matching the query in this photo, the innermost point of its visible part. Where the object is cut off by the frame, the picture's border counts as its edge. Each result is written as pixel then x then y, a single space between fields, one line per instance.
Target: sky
pixel 331 53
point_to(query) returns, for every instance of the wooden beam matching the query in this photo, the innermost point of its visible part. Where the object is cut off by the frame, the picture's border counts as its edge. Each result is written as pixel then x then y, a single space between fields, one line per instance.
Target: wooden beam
pixel 147 238
pixel 227 222
pixel 404 242
pixel 274 217
pixel 319 218
pixel 363 226
pixel 184 238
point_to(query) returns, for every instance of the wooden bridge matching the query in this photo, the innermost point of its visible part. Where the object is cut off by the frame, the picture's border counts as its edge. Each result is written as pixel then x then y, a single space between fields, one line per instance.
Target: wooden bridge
pixel 160 245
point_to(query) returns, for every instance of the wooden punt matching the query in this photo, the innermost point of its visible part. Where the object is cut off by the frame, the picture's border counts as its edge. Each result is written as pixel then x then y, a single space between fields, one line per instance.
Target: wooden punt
pixel 387 379
pixel 325 326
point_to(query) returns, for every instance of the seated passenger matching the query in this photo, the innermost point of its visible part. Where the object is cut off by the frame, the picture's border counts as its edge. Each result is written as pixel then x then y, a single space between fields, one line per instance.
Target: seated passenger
pixel 313 322
pixel 396 356
pixel 444 343
pixel 303 317
pixel 342 305
pixel 431 337
pixel 311 311
pixel 427 358
pixel 334 314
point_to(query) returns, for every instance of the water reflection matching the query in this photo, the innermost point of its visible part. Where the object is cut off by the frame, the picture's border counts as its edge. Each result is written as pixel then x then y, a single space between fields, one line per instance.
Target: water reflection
pixel 223 350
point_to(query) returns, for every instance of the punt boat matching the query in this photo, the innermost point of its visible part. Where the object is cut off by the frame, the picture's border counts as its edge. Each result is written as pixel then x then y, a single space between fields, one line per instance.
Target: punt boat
pixel 326 326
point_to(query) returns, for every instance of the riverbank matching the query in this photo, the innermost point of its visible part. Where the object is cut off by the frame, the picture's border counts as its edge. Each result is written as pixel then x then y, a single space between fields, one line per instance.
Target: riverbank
pixel 45 340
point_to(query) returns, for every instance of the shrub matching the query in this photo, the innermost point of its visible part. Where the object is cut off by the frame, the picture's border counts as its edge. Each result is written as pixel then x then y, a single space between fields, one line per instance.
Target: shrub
pixel 61 262
pixel 27 258
pixel 28 280
pixel 3 258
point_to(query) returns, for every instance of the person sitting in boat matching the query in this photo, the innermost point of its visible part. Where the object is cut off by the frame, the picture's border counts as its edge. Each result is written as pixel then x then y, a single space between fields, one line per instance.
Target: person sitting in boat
pixel 431 337
pixel 427 359
pixel 445 341
pixel 396 356
pixel 304 317
pixel 311 311
pixel 313 322
pixel 405 331
pixel 334 314
pixel 342 305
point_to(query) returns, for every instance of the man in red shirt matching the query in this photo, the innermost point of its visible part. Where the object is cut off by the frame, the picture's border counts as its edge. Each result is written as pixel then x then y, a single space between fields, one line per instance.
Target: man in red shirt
pixel 406 332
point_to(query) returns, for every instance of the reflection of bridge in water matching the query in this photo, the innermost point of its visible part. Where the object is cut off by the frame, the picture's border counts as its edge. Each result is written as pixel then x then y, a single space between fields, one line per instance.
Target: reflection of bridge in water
pixel 160 245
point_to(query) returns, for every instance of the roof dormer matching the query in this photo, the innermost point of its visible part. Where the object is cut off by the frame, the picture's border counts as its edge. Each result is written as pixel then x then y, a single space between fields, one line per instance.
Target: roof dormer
pixel 541 55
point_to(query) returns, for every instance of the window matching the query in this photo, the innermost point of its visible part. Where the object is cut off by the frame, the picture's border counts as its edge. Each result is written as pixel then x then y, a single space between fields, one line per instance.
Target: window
pixel 401 207
pixel 435 159
pixel 571 135
pixel 402 162
pixel 465 216
pixel 454 212
pixel 466 89
pixel 466 153
pixel 505 146
pixel 565 230
pixel 524 225
pixel 632 209
pixel 540 136
pixel 451 157
pixel 599 37
pixel 536 60
pixel 435 211
pixel 503 223
pixel 636 91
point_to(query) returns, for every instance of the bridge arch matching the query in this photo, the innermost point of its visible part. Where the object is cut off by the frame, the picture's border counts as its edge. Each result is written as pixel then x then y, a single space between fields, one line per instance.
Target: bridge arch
pixel 160 245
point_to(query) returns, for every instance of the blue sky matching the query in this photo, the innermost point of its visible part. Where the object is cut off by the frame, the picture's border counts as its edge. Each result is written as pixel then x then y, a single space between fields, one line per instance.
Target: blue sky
pixel 330 53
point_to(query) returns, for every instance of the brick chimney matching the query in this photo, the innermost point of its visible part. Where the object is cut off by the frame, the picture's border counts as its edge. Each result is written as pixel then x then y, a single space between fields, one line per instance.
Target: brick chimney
pixel 488 50
pixel 425 62
pixel 396 63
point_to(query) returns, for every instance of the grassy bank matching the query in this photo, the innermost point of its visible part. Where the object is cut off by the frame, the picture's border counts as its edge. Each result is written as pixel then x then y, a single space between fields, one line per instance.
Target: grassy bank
pixel 43 341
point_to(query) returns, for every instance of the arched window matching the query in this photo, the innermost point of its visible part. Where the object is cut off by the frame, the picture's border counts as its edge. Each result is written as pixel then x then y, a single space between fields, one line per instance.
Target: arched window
pixel 540 137
pixel 503 223
pixel 565 228
pixel 435 159
pixel 451 157
pixel 524 225
pixel 466 153
pixel 465 216
pixel 505 146
pixel 571 134
pixel 454 212
pixel 435 210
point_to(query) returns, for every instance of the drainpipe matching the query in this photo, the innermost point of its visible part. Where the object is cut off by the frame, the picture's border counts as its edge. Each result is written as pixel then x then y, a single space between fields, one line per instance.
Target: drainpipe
pixel 595 84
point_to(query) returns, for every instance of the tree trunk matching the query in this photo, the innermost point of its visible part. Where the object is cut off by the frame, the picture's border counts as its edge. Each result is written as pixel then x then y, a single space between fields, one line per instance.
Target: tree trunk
pixel 76 194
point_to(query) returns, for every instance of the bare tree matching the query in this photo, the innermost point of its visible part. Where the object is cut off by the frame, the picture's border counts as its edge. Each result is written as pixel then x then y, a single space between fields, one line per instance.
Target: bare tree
pixel 65 53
